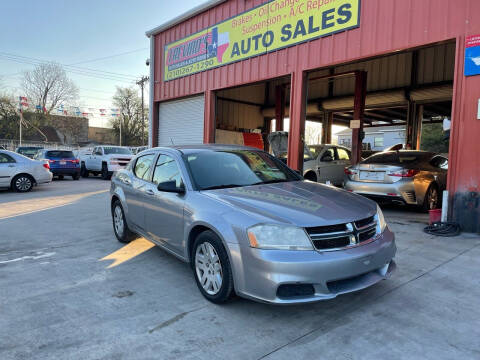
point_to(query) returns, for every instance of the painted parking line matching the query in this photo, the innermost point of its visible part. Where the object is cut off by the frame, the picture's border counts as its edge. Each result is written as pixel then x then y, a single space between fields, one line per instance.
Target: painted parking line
pixel 129 251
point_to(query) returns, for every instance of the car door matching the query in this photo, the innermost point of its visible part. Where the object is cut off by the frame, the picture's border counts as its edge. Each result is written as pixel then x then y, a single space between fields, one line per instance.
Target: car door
pixel 8 168
pixel 327 165
pixel 343 161
pixel 164 210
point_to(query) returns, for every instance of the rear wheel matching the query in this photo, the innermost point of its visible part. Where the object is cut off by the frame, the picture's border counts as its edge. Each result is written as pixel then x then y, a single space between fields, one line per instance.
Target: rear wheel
pixel 122 232
pixel 432 198
pixel 211 268
pixel 22 183
pixel 75 177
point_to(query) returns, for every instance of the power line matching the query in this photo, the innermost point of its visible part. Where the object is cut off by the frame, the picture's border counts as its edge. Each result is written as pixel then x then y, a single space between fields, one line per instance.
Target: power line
pixel 78 71
pixel 110 56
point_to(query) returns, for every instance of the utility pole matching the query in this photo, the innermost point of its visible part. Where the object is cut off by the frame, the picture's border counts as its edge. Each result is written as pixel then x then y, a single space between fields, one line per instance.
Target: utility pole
pixel 141 83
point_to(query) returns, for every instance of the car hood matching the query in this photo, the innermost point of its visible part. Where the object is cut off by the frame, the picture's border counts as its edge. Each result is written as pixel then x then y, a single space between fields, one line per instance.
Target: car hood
pixel 301 203
pixel 119 156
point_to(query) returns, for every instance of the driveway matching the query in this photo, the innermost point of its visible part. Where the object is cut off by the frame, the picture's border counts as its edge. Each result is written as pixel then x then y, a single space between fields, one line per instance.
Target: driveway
pixel 58 300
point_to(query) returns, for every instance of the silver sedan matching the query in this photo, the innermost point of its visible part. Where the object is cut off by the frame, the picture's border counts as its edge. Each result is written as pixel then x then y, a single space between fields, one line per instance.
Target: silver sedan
pixel 249 225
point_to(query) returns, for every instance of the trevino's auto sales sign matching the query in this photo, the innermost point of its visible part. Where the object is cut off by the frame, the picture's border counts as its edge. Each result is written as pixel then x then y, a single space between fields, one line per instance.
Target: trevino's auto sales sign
pixel 268 27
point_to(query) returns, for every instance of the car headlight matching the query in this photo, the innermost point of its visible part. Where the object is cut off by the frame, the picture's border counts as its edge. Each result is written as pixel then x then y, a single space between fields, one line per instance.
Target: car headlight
pixel 278 237
pixel 381 223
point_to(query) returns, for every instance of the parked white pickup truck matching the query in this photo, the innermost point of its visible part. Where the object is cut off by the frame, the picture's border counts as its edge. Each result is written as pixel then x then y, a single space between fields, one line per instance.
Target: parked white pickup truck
pixel 105 160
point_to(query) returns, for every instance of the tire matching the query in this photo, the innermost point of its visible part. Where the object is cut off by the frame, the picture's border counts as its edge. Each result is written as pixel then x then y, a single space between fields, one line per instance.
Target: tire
pixel 217 285
pixel 83 171
pixel 311 176
pixel 76 177
pixel 105 174
pixel 22 183
pixel 432 199
pixel 120 228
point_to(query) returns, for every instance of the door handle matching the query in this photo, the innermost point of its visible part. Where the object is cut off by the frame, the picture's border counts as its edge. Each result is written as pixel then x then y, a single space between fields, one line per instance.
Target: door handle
pixel 149 192
pixel 11 165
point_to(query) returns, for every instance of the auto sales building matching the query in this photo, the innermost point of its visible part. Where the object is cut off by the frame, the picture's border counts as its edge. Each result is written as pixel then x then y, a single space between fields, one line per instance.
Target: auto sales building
pixel 229 71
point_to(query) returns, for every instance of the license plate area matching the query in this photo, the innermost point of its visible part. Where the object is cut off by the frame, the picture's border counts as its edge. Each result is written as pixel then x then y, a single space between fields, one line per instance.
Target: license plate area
pixel 63 162
pixel 372 175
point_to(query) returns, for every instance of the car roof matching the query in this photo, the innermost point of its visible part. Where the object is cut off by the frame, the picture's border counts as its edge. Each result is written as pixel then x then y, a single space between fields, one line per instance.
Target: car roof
pixel 188 149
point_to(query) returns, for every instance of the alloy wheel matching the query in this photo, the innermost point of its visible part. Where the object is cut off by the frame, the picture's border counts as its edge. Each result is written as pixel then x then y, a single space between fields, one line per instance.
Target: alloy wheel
pixel 23 183
pixel 118 220
pixel 208 268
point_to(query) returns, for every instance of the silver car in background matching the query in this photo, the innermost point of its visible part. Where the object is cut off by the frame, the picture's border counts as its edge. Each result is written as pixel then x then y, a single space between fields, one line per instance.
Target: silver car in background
pixel 326 163
pixel 21 173
pixel 249 225
pixel 407 177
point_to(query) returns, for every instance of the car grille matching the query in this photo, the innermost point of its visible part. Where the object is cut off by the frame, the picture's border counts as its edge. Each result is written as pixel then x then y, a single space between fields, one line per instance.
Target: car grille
pixel 339 236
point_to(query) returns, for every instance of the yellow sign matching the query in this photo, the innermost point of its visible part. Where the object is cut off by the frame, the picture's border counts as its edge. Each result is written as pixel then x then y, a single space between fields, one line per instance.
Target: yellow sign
pixel 272 26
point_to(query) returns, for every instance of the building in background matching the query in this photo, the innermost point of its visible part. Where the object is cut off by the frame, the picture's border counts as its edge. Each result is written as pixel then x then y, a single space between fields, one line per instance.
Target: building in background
pixel 379 138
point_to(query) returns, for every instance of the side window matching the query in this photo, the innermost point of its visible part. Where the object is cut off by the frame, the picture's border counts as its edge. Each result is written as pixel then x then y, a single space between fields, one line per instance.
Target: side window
pixel 328 155
pixel 4 159
pixel 143 165
pixel 342 154
pixel 99 151
pixel 166 169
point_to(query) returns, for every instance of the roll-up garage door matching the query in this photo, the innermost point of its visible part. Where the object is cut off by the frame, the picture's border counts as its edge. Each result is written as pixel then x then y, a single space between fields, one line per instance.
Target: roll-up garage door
pixel 181 121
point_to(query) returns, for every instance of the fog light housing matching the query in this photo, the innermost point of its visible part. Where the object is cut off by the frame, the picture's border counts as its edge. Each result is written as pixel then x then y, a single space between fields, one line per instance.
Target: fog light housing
pixel 288 291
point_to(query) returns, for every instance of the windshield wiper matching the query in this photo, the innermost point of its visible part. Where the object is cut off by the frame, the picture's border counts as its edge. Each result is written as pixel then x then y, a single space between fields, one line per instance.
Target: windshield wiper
pixel 271 181
pixel 226 186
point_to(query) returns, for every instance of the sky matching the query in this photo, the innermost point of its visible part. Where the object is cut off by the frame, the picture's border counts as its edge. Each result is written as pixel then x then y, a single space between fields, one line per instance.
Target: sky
pixel 107 36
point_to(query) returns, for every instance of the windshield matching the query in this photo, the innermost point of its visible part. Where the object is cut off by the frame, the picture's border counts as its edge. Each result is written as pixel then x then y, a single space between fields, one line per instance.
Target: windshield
pixel 116 150
pixel 234 168
pixel 395 158
pixel 60 154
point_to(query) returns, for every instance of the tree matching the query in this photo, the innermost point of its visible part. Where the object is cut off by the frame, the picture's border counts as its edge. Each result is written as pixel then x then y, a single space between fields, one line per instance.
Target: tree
pixel 433 138
pixel 9 118
pixel 129 104
pixel 48 86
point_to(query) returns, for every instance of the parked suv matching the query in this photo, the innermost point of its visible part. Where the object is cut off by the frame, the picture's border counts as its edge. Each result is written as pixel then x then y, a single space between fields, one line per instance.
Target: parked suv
pixel 105 160
pixel 62 162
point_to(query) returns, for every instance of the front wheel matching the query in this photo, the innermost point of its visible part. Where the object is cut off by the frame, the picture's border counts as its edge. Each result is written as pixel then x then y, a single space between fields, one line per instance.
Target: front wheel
pixel 122 232
pixel 432 199
pixel 83 170
pixel 105 174
pixel 211 268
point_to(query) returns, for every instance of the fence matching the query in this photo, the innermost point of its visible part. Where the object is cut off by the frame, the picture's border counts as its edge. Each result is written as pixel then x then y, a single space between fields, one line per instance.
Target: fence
pixel 13 144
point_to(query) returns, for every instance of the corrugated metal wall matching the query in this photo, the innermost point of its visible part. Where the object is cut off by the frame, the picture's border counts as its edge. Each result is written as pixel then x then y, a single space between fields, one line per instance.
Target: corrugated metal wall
pixel 233 116
pixel 386 26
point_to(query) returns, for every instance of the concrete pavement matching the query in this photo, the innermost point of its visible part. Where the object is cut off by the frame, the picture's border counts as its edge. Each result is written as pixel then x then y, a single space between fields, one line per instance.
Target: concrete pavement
pixel 58 301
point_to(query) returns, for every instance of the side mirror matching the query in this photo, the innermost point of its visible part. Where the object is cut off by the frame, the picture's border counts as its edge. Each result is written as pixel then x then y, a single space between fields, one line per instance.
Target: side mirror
pixel 171 186
pixel 327 158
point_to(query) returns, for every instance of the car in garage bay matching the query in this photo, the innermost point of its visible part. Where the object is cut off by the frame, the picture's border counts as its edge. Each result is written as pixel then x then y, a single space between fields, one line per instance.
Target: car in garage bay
pixel 21 173
pixel 406 177
pixel 251 226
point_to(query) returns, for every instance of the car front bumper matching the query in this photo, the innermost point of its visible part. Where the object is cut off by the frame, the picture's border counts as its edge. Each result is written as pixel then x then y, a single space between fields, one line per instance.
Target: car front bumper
pixel 260 273
pixel 115 167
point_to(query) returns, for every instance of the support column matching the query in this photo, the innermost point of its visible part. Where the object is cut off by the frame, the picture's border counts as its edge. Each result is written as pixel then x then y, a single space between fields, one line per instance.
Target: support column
pixel 209 117
pixel 418 127
pixel 410 127
pixel 298 93
pixel 279 107
pixel 324 128
pixel 328 137
pixel 358 111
